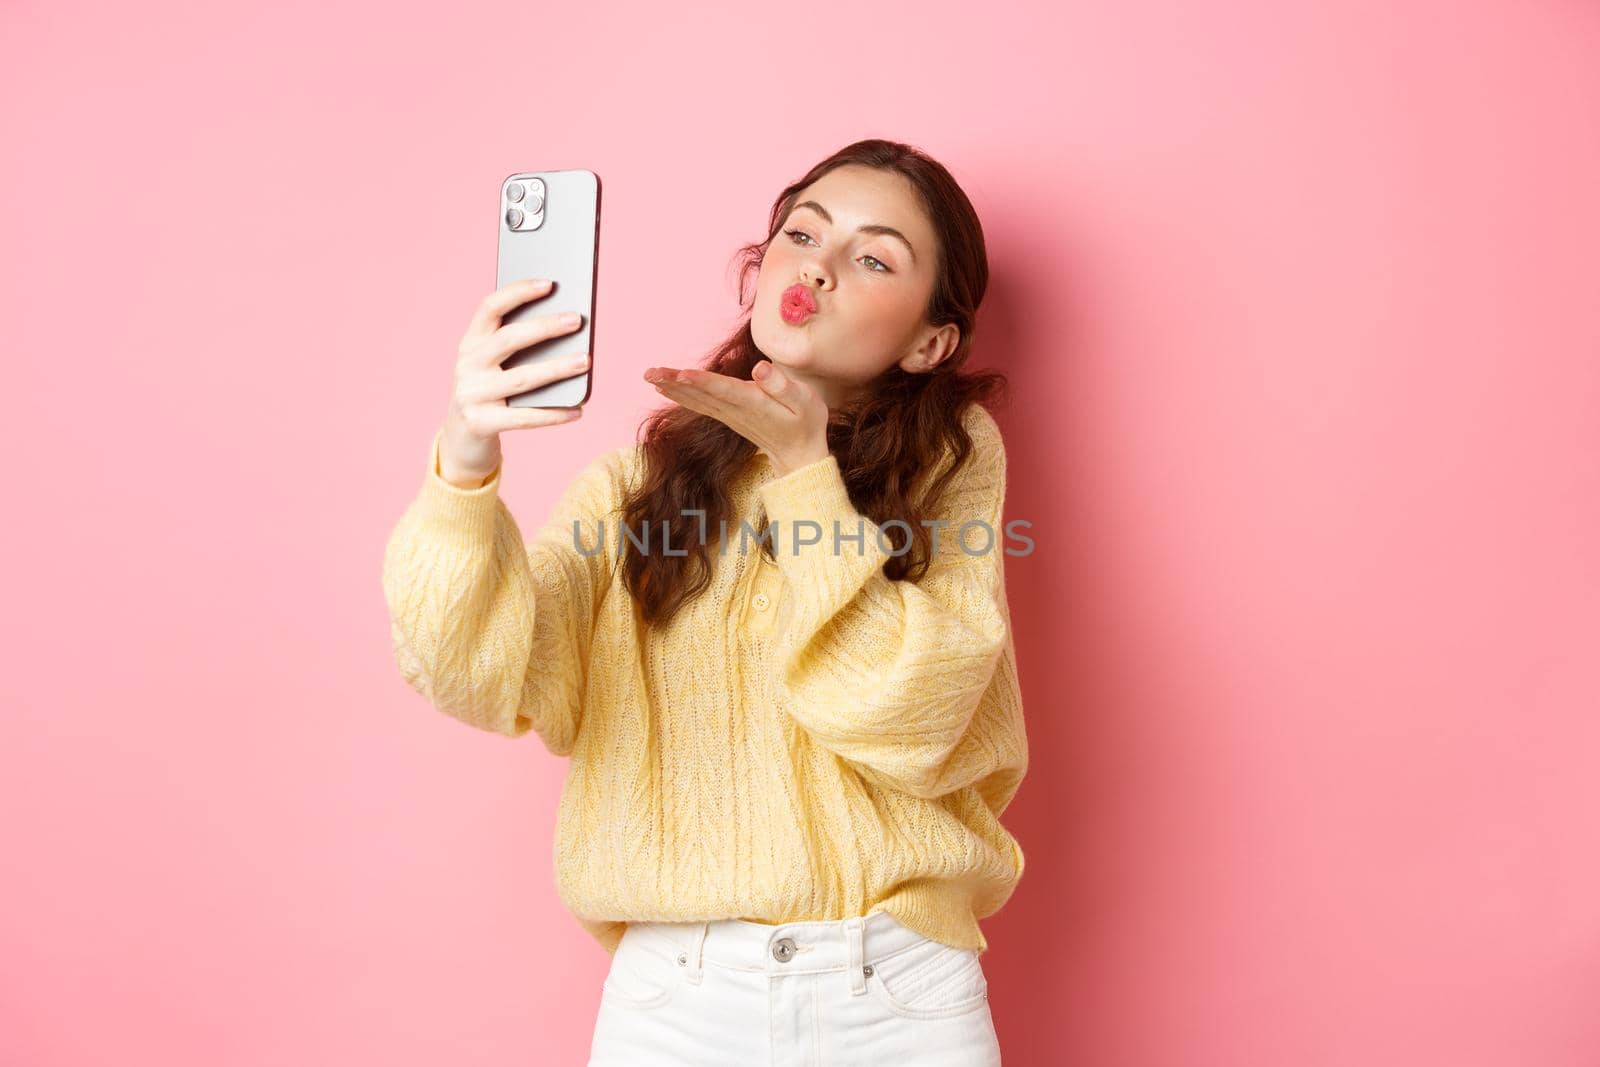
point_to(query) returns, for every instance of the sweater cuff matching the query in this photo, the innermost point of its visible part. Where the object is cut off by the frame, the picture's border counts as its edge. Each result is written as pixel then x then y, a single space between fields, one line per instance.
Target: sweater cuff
pixel 816 492
pixel 471 510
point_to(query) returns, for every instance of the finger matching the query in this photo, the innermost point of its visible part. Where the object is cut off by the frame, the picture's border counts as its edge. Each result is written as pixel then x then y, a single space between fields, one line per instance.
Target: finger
pixel 496 304
pixel 515 336
pixel 784 390
pixel 733 420
pixel 509 382
pixel 734 392
pixel 689 399
pixel 703 393
pixel 510 418
pixel 699 400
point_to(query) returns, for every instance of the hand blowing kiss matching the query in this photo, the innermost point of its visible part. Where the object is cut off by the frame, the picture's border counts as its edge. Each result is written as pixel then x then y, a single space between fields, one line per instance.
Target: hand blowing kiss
pixel 783 417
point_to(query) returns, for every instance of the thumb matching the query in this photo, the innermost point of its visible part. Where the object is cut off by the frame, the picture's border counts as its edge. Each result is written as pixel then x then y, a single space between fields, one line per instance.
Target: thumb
pixel 771 377
pixel 778 384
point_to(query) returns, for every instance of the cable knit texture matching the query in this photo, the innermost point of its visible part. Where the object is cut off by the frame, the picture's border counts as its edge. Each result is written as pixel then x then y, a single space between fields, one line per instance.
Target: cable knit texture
pixel 808 739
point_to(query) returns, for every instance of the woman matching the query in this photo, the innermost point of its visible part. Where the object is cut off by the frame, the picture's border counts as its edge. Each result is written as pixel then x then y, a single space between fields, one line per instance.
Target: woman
pixel 788 752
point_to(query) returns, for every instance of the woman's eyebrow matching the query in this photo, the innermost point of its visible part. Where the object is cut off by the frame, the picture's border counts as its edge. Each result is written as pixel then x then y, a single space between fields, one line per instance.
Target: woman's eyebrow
pixel 887 231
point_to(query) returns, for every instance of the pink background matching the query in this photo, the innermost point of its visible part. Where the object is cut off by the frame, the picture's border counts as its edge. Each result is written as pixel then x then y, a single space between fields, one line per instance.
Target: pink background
pixel 1300 301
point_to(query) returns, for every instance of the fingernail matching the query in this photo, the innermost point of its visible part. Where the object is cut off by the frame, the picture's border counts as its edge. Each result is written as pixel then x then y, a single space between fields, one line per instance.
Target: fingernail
pixel 571 318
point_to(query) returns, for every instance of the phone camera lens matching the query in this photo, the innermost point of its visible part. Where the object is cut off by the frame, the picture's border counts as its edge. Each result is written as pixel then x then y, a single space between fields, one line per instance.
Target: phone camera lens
pixel 514 192
pixel 513 217
pixel 535 203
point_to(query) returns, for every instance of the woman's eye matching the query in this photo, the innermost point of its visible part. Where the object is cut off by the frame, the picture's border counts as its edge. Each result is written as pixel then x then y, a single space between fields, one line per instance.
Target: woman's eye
pixel 794 236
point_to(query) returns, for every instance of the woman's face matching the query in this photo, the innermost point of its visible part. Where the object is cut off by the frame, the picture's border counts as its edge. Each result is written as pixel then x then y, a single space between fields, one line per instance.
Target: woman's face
pixel 870 288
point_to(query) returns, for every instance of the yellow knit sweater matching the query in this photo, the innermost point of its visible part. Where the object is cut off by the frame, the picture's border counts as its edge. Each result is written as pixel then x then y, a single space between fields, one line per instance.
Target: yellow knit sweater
pixel 808 739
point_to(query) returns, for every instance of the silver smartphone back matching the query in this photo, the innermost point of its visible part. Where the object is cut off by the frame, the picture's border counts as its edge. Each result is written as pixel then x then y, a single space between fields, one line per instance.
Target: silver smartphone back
pixel 550 228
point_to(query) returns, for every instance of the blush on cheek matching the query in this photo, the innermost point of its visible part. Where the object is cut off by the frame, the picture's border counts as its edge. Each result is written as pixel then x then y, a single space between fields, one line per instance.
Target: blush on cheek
pixel 879 311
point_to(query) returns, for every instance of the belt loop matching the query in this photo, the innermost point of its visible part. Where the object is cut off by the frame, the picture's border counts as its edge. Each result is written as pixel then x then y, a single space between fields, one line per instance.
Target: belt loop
pixel 697 943
pixel 853 949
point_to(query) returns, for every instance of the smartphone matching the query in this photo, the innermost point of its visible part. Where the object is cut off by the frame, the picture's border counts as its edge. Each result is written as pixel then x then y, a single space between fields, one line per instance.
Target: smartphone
pixel 550 228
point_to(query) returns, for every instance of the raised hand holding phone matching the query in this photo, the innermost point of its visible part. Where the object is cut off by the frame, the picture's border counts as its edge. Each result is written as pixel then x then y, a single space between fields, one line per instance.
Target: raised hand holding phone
pixel 469 446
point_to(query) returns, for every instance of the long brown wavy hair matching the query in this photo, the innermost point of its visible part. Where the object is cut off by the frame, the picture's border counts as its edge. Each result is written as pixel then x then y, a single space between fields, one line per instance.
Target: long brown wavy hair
pixel 886 436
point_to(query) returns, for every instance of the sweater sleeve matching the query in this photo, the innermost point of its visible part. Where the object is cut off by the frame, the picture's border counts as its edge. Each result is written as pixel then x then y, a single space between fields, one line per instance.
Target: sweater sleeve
pixel 914 683
pixel 491 630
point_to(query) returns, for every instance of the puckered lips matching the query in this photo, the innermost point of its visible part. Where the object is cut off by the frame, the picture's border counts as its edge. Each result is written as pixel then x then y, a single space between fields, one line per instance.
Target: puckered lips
pixel 797 304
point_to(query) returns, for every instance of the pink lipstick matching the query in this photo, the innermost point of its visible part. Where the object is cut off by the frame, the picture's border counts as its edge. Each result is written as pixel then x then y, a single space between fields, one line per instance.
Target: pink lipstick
pixel 797 304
